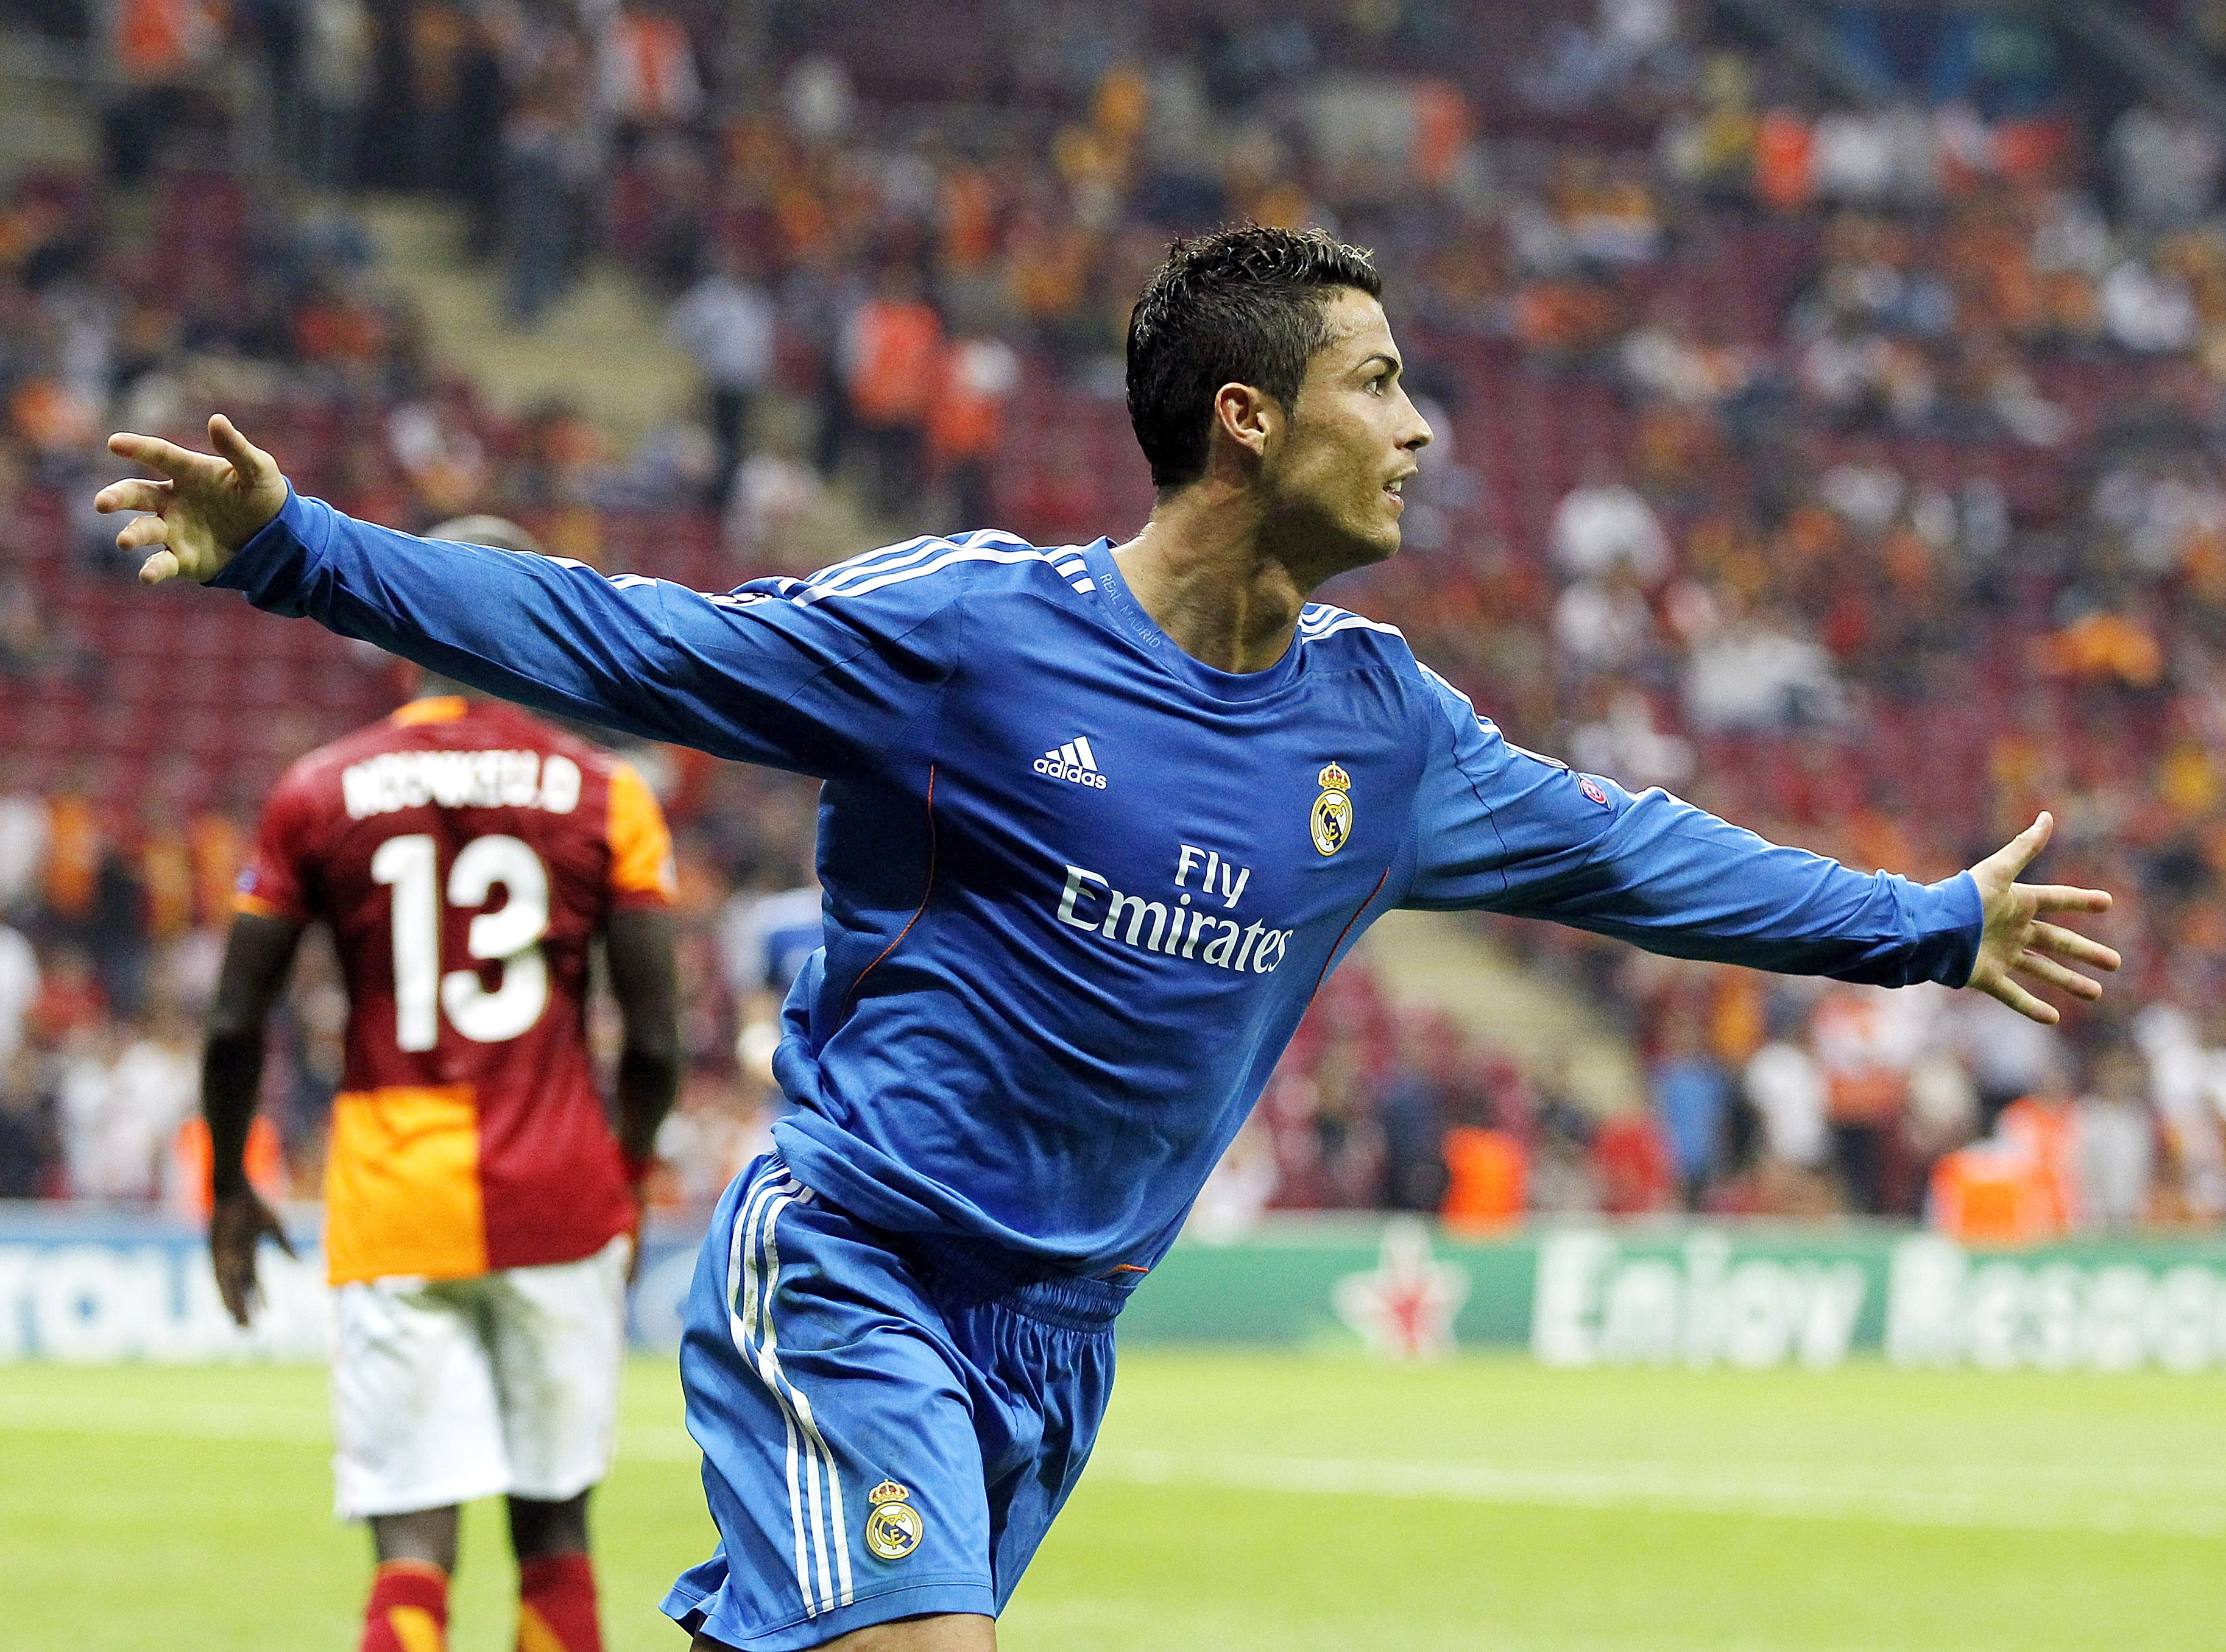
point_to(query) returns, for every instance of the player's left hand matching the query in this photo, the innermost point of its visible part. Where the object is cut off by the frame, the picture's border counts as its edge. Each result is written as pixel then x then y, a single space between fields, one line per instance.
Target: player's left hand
pixel 205 507
pixel 237 1225
pixel 2016 942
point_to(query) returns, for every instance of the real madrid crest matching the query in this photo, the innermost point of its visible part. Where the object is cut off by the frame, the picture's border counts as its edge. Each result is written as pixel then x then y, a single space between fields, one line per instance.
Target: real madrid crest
pixel 894 1526
pixel 1331 821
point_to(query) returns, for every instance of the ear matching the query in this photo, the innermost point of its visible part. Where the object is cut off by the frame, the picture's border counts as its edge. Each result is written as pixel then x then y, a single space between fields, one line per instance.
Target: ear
pixel 1248 416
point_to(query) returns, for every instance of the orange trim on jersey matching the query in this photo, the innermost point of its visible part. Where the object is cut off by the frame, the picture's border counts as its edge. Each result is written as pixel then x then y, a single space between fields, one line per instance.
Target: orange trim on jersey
pixel 1349 922
pixel 247 905
pixel 433 708
pixel 641 846
pixel 402 1185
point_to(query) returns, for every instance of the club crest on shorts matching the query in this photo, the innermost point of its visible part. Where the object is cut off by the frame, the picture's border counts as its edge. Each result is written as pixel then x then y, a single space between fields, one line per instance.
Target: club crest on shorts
pixel 894 1528
pixel 1331 821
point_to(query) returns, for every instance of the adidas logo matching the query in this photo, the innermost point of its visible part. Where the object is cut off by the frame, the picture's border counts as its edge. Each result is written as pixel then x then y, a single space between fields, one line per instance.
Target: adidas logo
pixel 1073 761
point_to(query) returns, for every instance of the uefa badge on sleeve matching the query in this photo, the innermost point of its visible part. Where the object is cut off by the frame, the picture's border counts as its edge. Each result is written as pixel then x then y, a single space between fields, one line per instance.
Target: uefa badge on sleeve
pixel 893 1529
pixel 1331 821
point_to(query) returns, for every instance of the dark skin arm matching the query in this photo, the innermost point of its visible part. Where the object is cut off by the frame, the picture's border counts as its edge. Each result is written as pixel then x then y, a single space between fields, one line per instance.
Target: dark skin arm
pixel 637 947
pixel 258 955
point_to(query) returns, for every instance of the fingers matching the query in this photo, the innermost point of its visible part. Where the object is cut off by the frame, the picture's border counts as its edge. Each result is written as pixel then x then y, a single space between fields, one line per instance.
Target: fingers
pixel 143 532
pixel 244 455
pixel 176 462
pixel 2022 1002
pixel 162 565
pixel 133 493
pixel 2063 898
pixel 2018 853
pixel 235 1283
pixel 2069 944
pixel 2048 971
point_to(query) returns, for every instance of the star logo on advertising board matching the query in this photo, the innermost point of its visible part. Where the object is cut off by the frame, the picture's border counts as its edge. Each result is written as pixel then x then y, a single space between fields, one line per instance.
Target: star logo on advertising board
pixel 1404 1309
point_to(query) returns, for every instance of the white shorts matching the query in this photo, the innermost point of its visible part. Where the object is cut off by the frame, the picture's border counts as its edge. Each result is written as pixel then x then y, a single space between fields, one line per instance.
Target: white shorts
pixel 448 1390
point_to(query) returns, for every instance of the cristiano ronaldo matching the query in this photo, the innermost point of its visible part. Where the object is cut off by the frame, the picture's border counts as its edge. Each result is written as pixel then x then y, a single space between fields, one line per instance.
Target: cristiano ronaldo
pixel 1096 820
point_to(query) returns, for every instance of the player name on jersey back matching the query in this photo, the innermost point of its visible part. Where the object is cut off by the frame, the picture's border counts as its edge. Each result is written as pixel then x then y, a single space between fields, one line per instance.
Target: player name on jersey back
pixel 502 779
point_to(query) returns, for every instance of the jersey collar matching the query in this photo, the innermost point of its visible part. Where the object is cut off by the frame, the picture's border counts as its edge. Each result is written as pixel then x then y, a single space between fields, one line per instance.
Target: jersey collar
pixel 1129 616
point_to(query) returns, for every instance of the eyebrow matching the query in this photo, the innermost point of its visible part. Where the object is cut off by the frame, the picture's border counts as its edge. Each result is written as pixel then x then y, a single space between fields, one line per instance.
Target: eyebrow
pixel 1390 361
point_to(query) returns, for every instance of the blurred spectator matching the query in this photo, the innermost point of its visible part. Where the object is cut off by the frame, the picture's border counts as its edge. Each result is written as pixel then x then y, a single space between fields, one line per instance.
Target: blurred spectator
pixel 1692 1097
pixel 725 324
pixel 335 68
pixel 891 351
pixel 23 832
pixel 1626 743
pixel 1603 625
pixel 1788 1088
pixel 1867 1040
pixel 647 79
pixel 966 425
pixel 549 154
pixel 19 992
pixel 122 1099
pixel 2167 166
pixel 2114 1141
pixel 1745 673
pixel 1603 524
pixel 2188 1084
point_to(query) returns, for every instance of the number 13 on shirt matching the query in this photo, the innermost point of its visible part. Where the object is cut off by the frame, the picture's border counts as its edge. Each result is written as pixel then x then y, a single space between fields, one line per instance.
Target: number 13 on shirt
pixel 509 935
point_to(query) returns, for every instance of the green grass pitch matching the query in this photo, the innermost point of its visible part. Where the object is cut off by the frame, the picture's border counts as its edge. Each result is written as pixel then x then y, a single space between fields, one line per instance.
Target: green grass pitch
pixel 1258 1501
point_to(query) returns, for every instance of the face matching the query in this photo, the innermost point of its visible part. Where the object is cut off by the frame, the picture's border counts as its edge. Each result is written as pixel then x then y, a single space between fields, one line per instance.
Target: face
pixel 1347 445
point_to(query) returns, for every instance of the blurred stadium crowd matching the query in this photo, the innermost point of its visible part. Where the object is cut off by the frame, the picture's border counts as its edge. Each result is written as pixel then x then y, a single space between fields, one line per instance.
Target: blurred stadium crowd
pixel 1828 428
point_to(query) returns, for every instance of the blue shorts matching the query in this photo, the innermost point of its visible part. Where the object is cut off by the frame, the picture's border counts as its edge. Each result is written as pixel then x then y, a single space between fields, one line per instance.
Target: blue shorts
pixel 890 1423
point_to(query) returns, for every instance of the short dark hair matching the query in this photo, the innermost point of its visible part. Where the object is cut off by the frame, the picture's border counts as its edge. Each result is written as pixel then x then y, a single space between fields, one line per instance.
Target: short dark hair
pixel 1239 306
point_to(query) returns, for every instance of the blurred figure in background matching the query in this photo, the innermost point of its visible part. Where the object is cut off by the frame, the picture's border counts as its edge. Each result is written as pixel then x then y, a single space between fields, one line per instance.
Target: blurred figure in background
pixel 1691 1095
pixel 2115 1135
pixel 725 321
pixel 891 348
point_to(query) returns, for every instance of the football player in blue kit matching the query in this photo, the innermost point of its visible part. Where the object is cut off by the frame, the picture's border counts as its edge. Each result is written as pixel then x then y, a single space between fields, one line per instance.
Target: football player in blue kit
pixel 1097 819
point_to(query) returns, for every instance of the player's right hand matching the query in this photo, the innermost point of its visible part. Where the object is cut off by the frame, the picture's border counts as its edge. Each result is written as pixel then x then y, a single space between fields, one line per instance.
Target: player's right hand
pixel 205 507
pixel 238 1224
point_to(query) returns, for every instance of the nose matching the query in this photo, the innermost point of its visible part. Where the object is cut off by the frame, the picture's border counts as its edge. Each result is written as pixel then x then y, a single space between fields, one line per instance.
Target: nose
pixel 1418 432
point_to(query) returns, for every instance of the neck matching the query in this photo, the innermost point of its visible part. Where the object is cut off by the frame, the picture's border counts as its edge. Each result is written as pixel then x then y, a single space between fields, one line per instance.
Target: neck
pixel 1204 569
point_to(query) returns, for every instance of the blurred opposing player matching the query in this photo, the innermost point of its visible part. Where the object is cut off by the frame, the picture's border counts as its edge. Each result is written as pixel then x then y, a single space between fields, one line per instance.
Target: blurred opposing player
pixel 1096 822
pixel 480 1218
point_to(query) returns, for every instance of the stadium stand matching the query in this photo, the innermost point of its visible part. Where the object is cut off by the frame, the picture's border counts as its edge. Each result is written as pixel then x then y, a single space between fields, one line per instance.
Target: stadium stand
pixel 1829 424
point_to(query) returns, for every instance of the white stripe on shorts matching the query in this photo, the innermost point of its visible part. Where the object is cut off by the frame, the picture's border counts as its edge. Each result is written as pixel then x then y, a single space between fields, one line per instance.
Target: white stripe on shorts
pixel 754 1253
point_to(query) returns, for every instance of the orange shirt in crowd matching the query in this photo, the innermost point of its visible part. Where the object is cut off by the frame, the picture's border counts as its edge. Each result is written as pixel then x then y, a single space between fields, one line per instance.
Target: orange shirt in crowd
pixel 895 355
pixel 653 68
pixel 966 421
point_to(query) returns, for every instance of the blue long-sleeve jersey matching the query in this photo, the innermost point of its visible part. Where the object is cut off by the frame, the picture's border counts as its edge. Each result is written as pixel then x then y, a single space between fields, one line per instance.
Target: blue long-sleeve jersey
pixel 1080 887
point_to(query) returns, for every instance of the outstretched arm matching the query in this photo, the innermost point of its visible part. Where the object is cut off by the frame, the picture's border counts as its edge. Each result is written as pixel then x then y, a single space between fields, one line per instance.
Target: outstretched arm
pixel 1504 830
pixel 823 679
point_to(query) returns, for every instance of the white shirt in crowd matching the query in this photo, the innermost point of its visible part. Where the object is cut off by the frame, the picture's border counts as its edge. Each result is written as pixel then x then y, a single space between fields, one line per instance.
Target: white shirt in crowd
pixel 19 990
pixel 2115 1147
pixel 22 845
pixel 728 325
pixel 1786 1085
pixel 120 1116
pixel 1602 523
